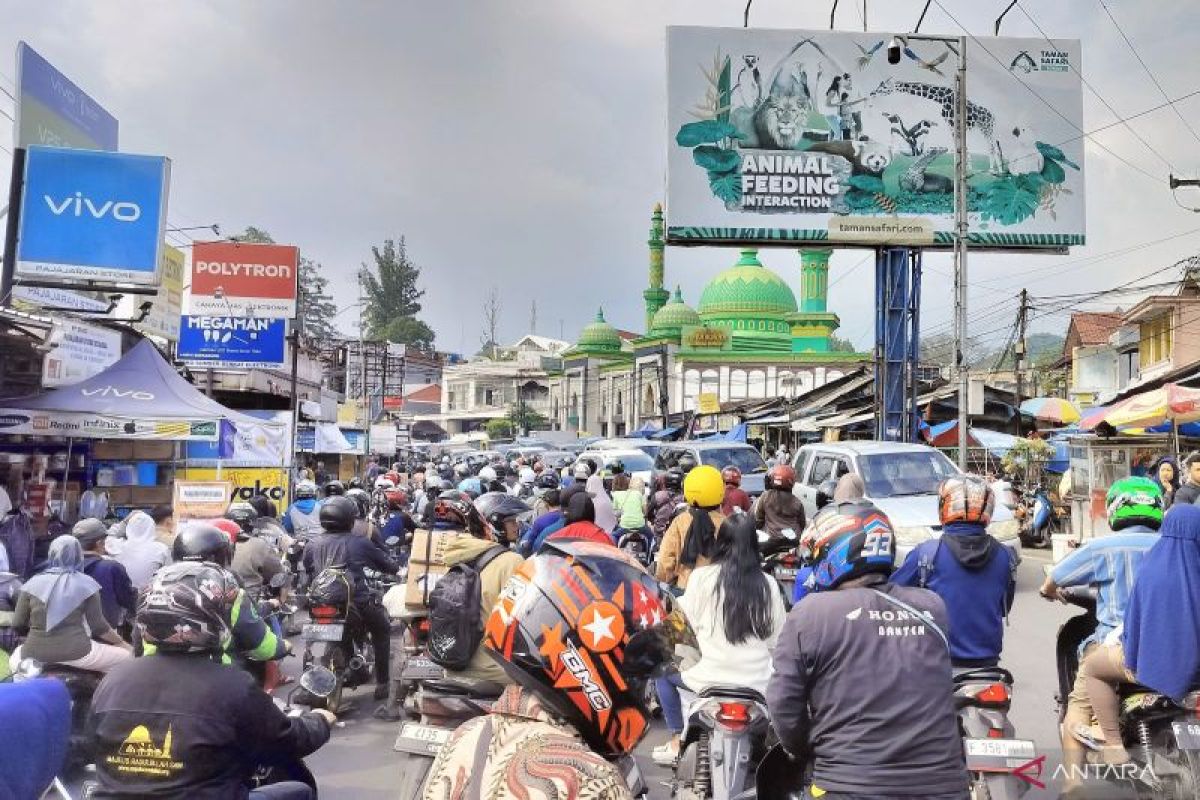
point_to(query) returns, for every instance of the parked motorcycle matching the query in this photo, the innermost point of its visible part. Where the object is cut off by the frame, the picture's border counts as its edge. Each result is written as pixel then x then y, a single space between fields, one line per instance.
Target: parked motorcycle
pixel 982 698
pixel 723 740
pixel 1162 738
pixel 1039 520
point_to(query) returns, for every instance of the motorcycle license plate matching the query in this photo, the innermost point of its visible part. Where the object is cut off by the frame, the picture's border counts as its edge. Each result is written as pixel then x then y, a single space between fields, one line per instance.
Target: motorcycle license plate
pixel 998 755
pixel 785 573
pixel 1187 735
pixel 314 632
pixel 421 739
pixel 418 668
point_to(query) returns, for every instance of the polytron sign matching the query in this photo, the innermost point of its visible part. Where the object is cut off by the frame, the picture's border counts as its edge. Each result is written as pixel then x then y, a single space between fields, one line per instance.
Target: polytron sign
pixel 234 279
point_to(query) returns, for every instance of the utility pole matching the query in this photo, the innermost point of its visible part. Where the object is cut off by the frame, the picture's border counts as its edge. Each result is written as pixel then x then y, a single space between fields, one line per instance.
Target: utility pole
pixel 1019 354
pixel 960 248
pixel 663 405
pixel 362 360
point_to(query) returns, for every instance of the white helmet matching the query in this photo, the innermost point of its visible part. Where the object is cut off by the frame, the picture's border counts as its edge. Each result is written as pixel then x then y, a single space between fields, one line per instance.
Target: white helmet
pixel 583 471
pixel 527 475
pixel 487 474
pixel 460 469
pixel 305 489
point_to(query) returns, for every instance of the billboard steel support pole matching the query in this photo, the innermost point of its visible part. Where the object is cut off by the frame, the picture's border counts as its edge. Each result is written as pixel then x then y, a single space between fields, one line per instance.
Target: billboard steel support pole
pixel 12 225
pixel 960 247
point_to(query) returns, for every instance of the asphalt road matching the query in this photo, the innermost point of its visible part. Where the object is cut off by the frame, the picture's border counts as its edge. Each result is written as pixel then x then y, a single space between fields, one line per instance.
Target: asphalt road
pixel 358 762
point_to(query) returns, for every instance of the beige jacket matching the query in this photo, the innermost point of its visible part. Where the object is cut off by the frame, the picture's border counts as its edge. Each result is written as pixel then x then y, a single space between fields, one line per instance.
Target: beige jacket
pixel 669 569
pixel 521 752
pixel 491 581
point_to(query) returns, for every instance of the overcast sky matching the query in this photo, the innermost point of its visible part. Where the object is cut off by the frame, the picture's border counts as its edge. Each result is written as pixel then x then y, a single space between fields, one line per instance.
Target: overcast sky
pixel 522 144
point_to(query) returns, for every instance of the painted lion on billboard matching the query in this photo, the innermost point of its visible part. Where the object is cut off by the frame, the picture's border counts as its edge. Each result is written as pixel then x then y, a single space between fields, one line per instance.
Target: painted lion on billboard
pixel 780 122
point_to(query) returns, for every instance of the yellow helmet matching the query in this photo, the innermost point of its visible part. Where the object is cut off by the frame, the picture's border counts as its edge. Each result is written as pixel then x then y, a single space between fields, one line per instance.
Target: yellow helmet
pixel 704 487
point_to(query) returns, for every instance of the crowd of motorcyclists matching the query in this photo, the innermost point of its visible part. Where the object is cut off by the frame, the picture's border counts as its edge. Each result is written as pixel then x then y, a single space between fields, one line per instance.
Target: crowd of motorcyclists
pixel 590 586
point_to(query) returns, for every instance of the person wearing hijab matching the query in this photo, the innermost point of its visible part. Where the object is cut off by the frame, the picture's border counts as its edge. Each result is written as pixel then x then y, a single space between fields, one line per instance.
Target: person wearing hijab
pixel 581 521
pixel 59 606
pixel 630 506
pixel 1165 473
pixel 850 487
pixel 606 515
pixel 142 554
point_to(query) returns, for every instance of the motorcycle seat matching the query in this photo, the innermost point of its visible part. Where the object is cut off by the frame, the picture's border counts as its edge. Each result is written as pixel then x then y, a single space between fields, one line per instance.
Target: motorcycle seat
pixel 733 693
pixel 478 690
pixel 982 675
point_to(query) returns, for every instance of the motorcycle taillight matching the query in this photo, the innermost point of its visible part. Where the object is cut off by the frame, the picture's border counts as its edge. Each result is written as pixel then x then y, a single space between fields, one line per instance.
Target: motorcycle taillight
pixel 994 695
pixel 322 613
pixel 423 626
pixel 730 714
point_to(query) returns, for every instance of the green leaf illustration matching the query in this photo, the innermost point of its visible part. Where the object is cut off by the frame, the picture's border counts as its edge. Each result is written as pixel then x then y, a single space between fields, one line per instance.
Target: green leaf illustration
pixel 1051 152
pixel 725 185
pixel 1011 201
pixel 705 131
pixel 868 183
pixel 1052 171
pixel 724 92
pixel 716 159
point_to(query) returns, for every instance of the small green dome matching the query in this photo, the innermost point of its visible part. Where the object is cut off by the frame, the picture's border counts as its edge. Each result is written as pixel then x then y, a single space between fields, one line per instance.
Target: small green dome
pixel 747 288
pixel 674 316
pixel 599 336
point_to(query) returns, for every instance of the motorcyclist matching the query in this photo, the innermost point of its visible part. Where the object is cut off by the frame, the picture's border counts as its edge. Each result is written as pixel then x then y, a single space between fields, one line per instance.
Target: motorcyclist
pixel 551 520
pixel 268 525
pixel 336 547
pixel 735 496
pixel 255 561
pixel 691 538
pixel 118 598
pixel 543 726
pixel 1111 564
pixel 542 485
pixel 503 512
pixel 972 572
pixel 579 519
pixel 398 523
pixel 665 501
pixel 301 518
pixel 182 725
pixel 777 508
pixel 333 489
pixel 840 653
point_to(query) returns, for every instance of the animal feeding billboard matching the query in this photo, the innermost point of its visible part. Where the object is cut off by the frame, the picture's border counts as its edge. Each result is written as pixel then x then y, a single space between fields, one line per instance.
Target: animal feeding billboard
pixel 785 137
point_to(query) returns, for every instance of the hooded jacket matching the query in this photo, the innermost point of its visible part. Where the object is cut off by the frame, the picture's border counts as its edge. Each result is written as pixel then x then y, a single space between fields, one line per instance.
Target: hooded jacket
pixel 462 549
pixel 142 554
pixel 973 574
pixel 301 518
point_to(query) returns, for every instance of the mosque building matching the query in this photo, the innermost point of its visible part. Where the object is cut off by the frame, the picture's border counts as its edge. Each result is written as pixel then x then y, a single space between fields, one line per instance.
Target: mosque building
pixel 746 339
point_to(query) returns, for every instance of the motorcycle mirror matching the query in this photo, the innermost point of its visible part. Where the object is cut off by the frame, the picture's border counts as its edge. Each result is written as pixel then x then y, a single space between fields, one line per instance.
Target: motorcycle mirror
pixel 279 580
pixel 318 681
pixel 392 541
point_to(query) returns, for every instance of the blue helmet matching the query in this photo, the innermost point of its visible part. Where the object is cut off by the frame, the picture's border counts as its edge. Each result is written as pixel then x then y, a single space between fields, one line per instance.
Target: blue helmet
pixel 472 486
pixel 848 540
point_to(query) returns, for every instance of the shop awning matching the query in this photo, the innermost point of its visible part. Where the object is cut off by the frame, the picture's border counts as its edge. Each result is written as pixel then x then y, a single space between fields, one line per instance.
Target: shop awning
pixel 665 433
pixel 140 396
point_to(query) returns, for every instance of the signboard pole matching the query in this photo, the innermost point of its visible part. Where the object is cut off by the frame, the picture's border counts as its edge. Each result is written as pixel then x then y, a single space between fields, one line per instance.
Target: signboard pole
pixel 294 340
pixel 960 247
pixel 12 224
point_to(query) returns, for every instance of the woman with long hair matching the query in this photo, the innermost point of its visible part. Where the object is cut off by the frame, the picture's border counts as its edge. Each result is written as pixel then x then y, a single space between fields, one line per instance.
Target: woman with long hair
pixel 691 537
pixel 736 612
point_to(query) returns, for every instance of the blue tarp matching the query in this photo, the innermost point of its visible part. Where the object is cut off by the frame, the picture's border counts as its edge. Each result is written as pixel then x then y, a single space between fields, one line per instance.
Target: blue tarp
pixel 665 433
pixel 737 433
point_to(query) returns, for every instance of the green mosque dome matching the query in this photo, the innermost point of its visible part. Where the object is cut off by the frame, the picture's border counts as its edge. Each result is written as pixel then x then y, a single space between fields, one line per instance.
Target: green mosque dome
pixel 599 336
pixel 746 289
pixel 674 316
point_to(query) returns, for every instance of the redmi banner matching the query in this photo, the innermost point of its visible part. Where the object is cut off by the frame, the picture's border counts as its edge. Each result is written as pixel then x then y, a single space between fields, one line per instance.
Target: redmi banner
pixel 232 279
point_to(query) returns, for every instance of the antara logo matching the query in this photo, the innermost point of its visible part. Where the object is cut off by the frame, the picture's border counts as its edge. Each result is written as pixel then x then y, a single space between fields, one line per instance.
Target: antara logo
pixel 112 391
pixel 77 205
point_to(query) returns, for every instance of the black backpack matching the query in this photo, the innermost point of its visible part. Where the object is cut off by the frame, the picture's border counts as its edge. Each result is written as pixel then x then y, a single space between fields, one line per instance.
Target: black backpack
pixel 455 625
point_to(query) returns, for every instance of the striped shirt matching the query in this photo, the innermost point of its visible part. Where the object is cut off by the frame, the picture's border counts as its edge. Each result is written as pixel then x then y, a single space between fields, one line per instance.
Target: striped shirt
pixel 1110 563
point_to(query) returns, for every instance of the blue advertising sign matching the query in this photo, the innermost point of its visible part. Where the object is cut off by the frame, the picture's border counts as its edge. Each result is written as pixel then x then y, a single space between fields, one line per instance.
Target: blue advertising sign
pixel 88 215
pixel 238 342
pixel 52 110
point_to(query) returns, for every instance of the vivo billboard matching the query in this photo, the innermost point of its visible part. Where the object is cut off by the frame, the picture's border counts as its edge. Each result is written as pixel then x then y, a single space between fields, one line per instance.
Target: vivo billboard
pixel 88 215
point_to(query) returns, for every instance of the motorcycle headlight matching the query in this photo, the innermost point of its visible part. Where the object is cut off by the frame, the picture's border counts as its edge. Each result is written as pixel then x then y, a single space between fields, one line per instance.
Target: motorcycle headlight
pixel 1005 529
pixel 913 536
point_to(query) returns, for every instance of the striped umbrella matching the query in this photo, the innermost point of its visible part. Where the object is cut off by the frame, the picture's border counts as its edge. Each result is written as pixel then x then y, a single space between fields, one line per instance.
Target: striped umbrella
pixel 1051 409
pixel 1092 417
pixel 1169 403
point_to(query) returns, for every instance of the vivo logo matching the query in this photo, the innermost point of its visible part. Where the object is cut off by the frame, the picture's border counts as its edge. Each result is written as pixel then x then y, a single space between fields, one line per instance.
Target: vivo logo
pixel 109 391
pixel 77 205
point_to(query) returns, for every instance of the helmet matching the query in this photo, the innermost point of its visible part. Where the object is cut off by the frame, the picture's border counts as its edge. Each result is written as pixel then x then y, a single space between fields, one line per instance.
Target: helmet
pixel 460 468
pixel 89 531
pixel 616 466
pixel 265 506
pixel 384 482
pixel 354 483
pixel 686 463
pixel 487 474
pixel 306 489
pixel 703 487
pixel 392 476
pixel 732 476
pixel 966 498
pixel 547 481
pixel 244 515
pixel 186 608
pixel 203 541
pixel 361 499
pixel 1135 501
pixel 396 499
pixel 587 662
pixel 334 488
pixel 583 471
pixel 781 477
pixel 497 507
pixel 471 486
pixel 673 480
pixel 337 514
pixel 848 540
pixel 527 475
pixel 454 510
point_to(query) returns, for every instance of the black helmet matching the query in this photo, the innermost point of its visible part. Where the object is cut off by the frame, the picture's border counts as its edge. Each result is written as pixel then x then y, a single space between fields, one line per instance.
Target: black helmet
pixel 264 505
pixel 498 507
pixel 89 531
pixel 338 514
pixel 200 541
pixel 187 607
pixel 616 466
pixel 825 493
pixel 244 515
pixel 547 480
pixel 334 488
pixel 673 480
pixel 686 463
pixel 355 483
pixel 361 499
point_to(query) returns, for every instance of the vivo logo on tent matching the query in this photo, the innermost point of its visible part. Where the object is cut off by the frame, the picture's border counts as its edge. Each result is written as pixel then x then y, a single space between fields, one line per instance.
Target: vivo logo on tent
pixel 111 391
pixel 121 210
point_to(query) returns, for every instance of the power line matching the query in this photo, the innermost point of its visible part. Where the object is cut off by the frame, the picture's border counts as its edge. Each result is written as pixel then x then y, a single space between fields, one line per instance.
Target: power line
pixel 1138 56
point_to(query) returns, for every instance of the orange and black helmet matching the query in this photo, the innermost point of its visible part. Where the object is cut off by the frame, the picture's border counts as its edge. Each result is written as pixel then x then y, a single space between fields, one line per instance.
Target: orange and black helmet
pixel 966 498
pixel 583 626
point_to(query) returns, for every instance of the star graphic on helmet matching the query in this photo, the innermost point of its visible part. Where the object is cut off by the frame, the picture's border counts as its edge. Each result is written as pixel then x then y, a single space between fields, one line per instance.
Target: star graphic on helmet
pixel 600 627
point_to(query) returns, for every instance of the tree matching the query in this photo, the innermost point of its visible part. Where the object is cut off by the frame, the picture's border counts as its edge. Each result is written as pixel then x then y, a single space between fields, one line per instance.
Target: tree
pixel 392 297
pixel 491 322
pixel 314 304
pixel 839 345
pixel 498 428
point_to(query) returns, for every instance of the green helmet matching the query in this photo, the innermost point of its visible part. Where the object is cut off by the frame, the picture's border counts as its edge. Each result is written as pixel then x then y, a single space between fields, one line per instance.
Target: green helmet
pixel 1135 501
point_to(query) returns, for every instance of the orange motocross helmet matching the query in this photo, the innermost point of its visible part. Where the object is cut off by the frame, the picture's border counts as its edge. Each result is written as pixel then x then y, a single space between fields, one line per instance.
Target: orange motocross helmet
pixel 966 498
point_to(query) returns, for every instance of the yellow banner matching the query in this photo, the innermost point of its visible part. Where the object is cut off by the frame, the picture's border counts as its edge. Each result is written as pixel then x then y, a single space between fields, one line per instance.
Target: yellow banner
pixel 271 482
pixel 708 403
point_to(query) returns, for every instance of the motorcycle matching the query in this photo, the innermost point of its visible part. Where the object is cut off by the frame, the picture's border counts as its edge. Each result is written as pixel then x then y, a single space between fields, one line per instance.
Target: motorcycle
pixel 323 636
pixel 639 544
pixel 1040 519
pixel 316 682
pixel 723 740
pixel 982 697
pixel 1163 738
pixel 780 560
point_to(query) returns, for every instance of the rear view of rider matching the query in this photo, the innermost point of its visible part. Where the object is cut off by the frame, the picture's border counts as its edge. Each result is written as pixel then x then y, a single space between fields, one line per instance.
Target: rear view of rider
pixel 180 724
pixel 777 508
pixel 971 571
pixel 337 548
pixel 254 562
pixel 302 518
pixel 862 685
pixel 665 501
pixel 735 496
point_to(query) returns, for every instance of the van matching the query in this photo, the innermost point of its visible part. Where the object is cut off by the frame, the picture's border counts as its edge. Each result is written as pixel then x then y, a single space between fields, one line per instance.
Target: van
pixel 719 454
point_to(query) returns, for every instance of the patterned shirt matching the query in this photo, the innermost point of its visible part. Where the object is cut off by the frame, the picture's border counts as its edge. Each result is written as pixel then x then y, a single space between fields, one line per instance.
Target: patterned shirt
pixel 520 751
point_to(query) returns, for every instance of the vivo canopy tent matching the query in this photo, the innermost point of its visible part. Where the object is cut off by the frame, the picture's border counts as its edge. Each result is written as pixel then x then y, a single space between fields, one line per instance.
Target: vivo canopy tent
pixel 139 397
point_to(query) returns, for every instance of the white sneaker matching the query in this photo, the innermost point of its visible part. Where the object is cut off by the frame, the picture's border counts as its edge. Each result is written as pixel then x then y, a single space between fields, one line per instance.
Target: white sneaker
pixel 665 755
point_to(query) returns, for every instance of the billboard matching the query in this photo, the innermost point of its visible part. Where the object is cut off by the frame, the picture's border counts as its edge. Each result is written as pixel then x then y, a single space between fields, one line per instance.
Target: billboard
pixel 235 342
pixel 244 280
pixel 246 482
pixel 88 215
pixel 163 319
pixel 53 111
pixel 780 137
pixel 80 351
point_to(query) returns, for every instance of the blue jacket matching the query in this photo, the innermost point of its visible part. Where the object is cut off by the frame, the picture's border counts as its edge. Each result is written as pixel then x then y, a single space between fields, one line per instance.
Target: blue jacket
pixel 540 531
pixel 973 574
pixel 305 506
pixel 34 736
pixel 116 590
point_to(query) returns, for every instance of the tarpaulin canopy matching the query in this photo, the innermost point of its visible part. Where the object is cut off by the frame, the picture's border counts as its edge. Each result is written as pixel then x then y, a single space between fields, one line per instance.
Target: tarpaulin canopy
pixel 140 396
pixel 1166 404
